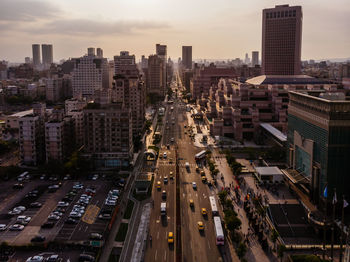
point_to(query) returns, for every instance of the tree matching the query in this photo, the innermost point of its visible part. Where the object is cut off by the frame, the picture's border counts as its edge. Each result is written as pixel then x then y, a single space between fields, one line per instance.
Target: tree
pixel 241 250
pixel 274 236
pixel 232 223
pixel 280 252
pixel 222 196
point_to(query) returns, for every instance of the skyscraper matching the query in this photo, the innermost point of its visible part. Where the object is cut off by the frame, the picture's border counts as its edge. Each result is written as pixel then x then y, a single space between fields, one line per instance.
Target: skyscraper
pixel 187 57
pixel 281 40
pixel 47 54
pixel 255 58
pixel 156 83
pixel 36 55
pixel 161 51
pixel 99 52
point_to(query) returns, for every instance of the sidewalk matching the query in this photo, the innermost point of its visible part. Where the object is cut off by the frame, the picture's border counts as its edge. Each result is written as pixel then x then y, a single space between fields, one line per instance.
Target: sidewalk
pixel 255 252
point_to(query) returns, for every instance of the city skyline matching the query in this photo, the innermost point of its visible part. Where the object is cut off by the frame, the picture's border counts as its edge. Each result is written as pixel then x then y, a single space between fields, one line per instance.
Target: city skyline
pixel 137 29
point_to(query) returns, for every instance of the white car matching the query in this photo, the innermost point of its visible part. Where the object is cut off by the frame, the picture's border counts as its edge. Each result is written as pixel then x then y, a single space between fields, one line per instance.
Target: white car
pixel 35 259
pixel 2 227
pixel 16 227
pixel 14 212
pixel 24 220
pixel 53 217
pixel 75 214
pixel 110 202
pixel 22 208
pixel 164 155
pixel 114 198
pixel 95 177
pixel 62 204
pixel 194 185
pixel 57 213
pixel 172 139
pixel 78 186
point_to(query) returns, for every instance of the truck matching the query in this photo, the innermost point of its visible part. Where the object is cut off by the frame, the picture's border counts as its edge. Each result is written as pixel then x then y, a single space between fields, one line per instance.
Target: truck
pixel 163 209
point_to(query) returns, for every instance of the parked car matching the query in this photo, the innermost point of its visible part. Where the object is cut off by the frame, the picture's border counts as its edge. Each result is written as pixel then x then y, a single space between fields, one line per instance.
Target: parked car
pixel 35 259
pixel 16 227
pixel 71 221
pixel 96 236
pixel 38 239
pixel 18 186
pixel 35 205
pixel 48 224
pixel 62 204
pixel 2 227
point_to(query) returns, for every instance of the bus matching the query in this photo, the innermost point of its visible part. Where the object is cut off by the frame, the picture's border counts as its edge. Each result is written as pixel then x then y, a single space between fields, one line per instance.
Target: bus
pixel 219 233
pixel 200 155
pixel 214 208
pixel 163 208
pixel 161 111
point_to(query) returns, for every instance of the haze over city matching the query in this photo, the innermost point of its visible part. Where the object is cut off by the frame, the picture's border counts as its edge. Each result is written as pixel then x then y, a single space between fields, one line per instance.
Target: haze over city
pixel 223 29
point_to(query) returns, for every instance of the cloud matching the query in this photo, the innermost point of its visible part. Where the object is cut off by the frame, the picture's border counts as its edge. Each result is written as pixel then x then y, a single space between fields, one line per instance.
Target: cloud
pixel 26 10
pixel 89 27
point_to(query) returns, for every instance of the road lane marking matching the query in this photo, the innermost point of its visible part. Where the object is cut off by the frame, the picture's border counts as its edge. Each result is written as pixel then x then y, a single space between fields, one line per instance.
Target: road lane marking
pixel 155 255
pixel 165 256
pixel 158 235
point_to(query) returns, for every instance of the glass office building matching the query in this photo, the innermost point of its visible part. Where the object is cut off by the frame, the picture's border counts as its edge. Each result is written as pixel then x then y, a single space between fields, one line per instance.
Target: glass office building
pixel 319 142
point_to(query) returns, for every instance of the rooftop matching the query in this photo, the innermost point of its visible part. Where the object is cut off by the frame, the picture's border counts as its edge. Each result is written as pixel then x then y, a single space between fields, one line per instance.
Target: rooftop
pixel 269 170
pixel 274 131
pixel 23 113
pixel 285 80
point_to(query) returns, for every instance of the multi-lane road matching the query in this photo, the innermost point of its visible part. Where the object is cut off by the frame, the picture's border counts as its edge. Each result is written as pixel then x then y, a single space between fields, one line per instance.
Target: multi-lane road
pixel 194 245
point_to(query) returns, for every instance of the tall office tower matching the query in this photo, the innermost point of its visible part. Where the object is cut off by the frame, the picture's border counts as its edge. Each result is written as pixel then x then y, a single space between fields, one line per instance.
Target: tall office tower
pixel 281 40
pixel 144 62
pixel 246 59
pixel 123 59
pixel 155 78
pixel 99 52
pixel 108 140
pixel 255 58
pixel 161 51
pixel 36 55
pixel 47 54
pixel 187 57
pixel 319 142
pixel 90 74
pixel 91 51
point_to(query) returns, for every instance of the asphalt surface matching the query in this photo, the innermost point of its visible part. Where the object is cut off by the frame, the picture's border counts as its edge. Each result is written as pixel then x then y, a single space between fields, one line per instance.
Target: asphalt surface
pixel 195 245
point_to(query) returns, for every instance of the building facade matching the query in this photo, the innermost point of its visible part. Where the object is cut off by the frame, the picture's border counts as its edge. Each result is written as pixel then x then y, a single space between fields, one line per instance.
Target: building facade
pixel 187 57
pixel 36 55
pixel 319 142
pixel 47 53
pixel 90 74
pixel 281 40
pixel 108 140
pixel 155 77
pixel 54 88
pixel 255 58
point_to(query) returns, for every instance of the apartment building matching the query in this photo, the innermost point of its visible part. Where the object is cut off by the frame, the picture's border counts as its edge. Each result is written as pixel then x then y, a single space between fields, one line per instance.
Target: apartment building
pixel 107 136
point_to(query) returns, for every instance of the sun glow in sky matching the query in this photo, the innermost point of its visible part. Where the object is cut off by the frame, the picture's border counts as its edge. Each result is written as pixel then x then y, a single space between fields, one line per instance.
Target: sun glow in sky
pixel 223 29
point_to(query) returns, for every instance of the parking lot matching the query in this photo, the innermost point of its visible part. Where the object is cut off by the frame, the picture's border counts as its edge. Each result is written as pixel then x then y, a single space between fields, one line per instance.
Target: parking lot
pixel 64 211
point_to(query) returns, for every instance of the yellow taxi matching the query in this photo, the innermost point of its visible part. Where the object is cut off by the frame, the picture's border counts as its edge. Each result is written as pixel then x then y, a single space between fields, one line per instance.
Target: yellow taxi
pixel 204 179
pixel 197 169
pixel 200 225
pixel 158 184
pixel 191 203
pixel 202 173
pixel 204 211
pixel 170 238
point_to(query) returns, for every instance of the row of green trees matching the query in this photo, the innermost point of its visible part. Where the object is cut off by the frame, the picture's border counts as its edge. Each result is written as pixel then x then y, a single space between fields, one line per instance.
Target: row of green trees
pixel 231 161
pixel 212 167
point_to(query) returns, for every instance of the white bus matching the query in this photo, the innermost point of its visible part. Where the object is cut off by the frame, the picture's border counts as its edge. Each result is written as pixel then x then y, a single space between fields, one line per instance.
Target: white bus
pixel 200 155
pixel 214 208
pixel 219 233
pixel 163 208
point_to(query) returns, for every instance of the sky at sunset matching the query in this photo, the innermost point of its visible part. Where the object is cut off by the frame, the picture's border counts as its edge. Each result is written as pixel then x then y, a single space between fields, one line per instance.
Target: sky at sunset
pixel 222 29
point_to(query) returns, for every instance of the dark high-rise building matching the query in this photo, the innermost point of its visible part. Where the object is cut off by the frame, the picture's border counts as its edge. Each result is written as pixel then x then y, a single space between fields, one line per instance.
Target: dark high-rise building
pixel 319 142
pixel 187 57
pixel 47 54
pixel 281 40
pixel 36 55
pixel 255 58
